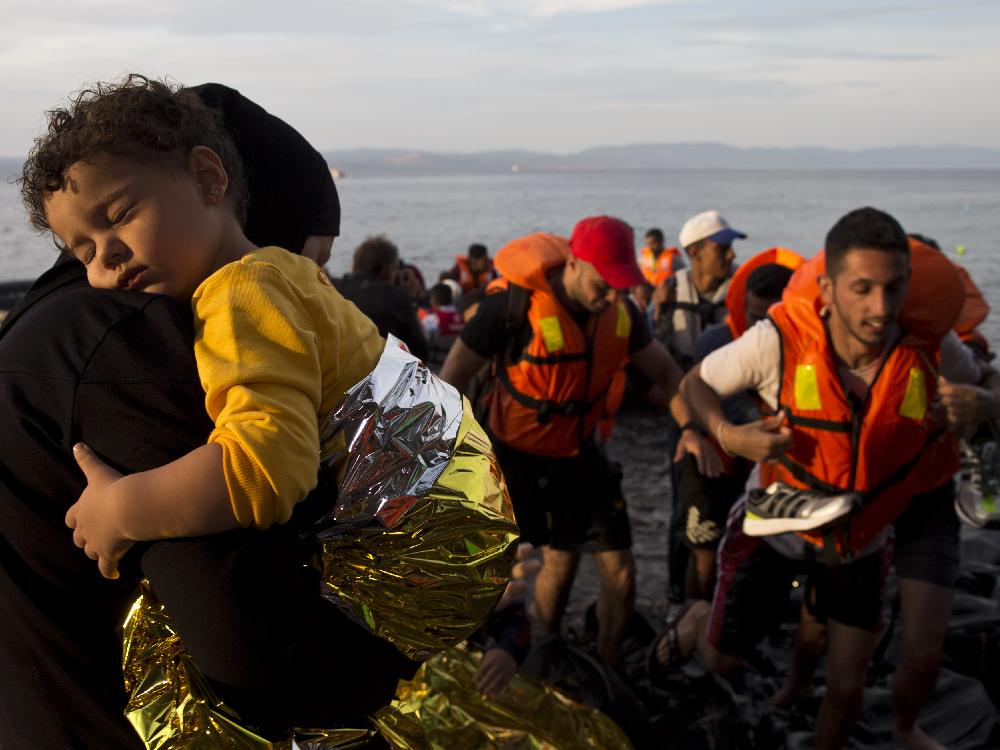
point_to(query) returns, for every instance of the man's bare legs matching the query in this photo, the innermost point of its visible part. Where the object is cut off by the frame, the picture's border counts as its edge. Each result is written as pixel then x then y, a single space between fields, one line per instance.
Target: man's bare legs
pixel 810 645
pixel 926 610
pixel 700 580
pixel 849 652
pixel 553 585
pixel 615 601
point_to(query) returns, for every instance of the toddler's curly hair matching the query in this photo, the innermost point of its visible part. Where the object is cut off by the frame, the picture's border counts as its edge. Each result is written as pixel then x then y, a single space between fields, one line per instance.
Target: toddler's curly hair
pixel 138 118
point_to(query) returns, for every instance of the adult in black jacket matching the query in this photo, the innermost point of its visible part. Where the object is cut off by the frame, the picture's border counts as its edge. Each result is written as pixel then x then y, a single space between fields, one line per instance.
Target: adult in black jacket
pixel 116 370
pixel 371 285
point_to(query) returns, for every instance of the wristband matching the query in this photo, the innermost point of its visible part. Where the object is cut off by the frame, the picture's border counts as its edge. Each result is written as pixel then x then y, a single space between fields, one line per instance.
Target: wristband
pixel 691 426
pixel 719 440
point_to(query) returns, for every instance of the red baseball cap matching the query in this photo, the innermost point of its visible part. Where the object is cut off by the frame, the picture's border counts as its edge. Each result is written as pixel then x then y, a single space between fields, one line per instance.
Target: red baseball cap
pixel 608 245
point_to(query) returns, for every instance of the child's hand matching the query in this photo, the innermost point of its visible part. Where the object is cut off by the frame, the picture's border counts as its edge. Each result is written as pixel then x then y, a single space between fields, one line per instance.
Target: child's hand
pixel 94 517
pixel 495 671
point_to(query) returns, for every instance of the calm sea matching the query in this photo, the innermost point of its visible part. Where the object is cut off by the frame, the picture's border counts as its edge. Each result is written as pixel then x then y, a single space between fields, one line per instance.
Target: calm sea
pixel 434 218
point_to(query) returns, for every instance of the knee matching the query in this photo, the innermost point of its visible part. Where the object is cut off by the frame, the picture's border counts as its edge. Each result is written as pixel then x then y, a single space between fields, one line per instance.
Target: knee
pixel 621 581
pixel 845 690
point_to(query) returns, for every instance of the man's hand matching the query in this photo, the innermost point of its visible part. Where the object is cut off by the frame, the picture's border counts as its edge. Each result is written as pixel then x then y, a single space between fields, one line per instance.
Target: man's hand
pixel 965 405
pixel 763 440
pixel 662 295
pixel 495 671
pixel 693 443
pixel 94 517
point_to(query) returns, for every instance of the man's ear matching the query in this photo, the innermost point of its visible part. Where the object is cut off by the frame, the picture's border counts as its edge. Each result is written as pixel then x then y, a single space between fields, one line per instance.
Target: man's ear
pixel 825 283
pixel 207 168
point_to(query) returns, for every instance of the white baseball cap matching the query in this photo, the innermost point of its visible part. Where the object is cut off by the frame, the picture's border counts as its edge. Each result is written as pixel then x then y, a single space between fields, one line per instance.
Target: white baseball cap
pixel 708 225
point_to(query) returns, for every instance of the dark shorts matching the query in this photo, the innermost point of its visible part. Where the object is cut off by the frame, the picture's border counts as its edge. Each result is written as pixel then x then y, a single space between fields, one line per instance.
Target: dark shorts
pixel 926 539
pixel 706 502
pixel 571 504
pixel 754 581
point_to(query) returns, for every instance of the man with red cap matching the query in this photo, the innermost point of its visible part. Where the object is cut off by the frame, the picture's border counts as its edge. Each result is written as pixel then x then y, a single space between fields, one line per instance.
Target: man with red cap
pixel 559 334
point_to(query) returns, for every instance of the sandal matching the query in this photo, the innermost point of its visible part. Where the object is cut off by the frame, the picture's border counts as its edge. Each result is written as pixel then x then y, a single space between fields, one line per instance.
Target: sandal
pixel 656 670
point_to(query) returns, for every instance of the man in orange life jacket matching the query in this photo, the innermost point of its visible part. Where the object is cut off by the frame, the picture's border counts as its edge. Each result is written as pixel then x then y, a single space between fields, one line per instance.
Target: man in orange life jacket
pixel 851 357
pixel 473 270
pixel 658 263
pixel 558 376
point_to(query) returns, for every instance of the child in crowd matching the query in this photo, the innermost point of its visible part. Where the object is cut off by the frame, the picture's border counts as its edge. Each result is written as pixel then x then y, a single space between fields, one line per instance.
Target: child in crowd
pixel 141 184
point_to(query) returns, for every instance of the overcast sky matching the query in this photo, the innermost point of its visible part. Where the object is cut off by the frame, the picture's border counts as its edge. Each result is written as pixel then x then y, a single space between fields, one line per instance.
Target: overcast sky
pixel 552 75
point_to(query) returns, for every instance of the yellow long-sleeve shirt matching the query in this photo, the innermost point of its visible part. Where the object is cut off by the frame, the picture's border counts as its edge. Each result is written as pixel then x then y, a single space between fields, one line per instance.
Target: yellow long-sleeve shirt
pixel 276 347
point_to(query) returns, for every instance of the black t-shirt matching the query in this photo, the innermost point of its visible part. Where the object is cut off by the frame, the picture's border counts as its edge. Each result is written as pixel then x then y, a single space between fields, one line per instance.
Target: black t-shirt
pixel 486 334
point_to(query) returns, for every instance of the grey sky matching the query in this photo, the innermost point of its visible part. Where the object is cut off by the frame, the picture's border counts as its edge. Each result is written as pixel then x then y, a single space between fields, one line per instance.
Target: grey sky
pixel 554 75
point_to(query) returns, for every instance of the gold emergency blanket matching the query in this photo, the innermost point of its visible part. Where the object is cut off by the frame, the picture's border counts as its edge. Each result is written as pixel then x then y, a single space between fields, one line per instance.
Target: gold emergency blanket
pixel 440 709
pixel 171 705
pixel 420 543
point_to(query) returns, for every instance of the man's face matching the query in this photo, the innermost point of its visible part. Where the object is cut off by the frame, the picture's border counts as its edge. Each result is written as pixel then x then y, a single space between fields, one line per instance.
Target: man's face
pixel 866 295
pixel 586 286
pixel 755 308
pixel 654 243
pixel 479 265
pixel 713 260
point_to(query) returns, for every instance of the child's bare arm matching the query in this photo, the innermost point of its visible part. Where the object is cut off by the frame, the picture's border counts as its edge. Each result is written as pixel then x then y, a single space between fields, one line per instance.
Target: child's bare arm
pixel 187 497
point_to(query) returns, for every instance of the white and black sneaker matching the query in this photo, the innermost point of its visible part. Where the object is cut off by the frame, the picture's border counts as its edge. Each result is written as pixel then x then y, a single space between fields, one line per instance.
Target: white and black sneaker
pixel 979 484
pixel 779 508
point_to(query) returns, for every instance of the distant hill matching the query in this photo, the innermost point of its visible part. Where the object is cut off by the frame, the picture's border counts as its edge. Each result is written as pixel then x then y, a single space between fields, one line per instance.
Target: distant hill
pixel 657 156
pixel 371 162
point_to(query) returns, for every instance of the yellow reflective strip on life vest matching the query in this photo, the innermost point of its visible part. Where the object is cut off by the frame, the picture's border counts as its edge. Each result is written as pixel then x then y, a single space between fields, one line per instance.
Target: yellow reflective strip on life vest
pixel 914 404
pixel 552 335
pixel 807 388
pixel 623 325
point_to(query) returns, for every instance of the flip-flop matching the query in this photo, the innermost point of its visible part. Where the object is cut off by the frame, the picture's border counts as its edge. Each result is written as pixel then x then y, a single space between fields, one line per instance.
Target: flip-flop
pixel 655 670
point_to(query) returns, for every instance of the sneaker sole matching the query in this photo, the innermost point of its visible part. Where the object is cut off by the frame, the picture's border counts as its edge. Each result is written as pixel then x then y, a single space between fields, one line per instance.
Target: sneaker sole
pixel 754 525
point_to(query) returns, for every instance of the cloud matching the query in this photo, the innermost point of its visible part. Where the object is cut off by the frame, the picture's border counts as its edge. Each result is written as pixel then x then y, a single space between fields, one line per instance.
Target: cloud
pixel 544 8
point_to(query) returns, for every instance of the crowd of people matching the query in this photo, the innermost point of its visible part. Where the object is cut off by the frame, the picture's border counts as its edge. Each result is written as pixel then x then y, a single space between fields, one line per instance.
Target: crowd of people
pixel 171 428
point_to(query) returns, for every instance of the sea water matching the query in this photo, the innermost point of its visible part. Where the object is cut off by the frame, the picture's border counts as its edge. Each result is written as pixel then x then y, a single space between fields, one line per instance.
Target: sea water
pixel 432 219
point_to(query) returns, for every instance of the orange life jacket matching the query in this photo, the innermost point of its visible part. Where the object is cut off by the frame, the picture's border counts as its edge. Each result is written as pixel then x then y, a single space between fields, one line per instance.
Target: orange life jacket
pixel 887 449
pixel 550 398
pixel 975 308
pixel 736 296
pixel 469 280
pixel 657 268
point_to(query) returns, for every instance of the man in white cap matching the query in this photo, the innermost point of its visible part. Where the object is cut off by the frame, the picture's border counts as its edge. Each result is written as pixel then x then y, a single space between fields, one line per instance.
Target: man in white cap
pixel 687 303
pixel 695 298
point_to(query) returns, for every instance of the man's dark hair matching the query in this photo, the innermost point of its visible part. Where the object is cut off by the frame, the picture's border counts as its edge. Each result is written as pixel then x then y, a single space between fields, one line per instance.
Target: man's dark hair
pixel 769 281
pixel 929 241
pixel 866 229
pixel 376 255
pixel 654 232
pixel 137 118
pixel 477 250
pixel 440 294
